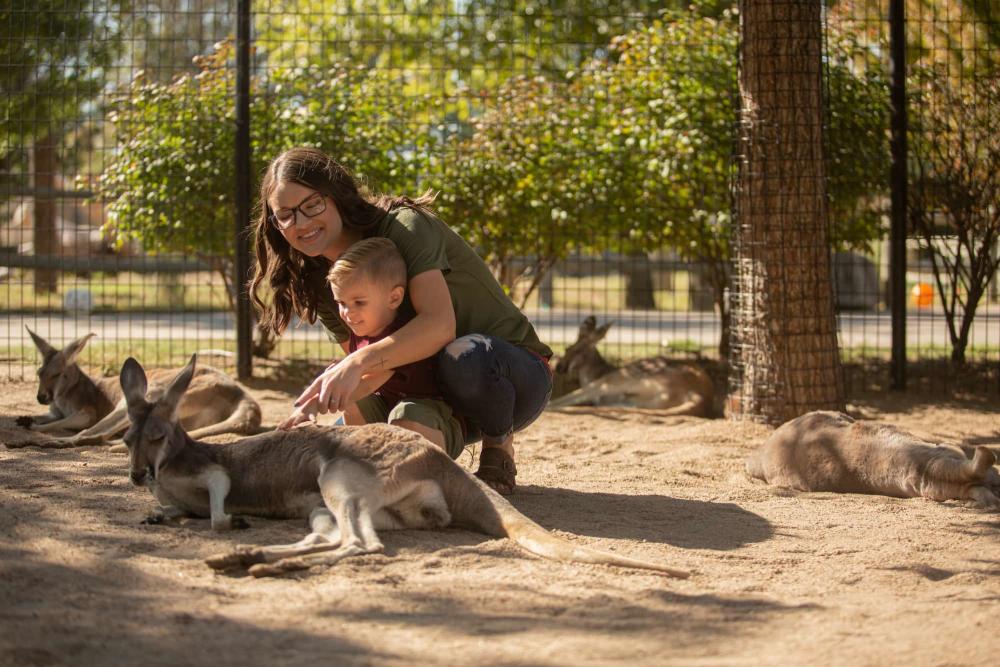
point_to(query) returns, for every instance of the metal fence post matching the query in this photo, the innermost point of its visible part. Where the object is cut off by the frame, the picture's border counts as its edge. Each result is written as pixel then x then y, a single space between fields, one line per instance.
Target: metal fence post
pixel 243 182
pixel 897 238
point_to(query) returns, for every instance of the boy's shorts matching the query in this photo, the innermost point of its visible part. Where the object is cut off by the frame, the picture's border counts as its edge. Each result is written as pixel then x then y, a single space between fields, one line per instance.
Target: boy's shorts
pixel 430 412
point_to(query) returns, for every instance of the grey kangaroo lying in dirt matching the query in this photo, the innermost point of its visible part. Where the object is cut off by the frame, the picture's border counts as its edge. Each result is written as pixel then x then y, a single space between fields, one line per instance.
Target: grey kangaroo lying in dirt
pixel 830 451
pixel 657 382
pixel 95 410
pixel 349 481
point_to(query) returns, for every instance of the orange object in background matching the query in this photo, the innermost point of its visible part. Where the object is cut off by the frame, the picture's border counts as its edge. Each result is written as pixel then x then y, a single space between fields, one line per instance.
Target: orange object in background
pixel 922 295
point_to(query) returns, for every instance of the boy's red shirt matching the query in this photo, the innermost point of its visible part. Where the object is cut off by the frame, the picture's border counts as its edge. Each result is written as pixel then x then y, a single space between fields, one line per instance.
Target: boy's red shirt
pixel 416 380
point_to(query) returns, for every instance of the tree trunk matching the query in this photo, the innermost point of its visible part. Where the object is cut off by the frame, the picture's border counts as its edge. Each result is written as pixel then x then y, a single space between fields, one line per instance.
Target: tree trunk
pixel 639 282
pixel 784 328
pixel 45 241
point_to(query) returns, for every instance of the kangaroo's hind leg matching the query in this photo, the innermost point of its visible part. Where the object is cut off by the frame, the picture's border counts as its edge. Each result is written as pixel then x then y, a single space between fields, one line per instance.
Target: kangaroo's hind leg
pixel 354 495
pixel 361 508
pixel 324 535
pixel 112 425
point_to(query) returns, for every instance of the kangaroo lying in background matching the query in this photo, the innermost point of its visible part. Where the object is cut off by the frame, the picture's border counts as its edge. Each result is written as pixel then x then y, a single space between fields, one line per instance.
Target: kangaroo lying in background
pixel 829 451
pixel 349 481
pixel 95 410
pixel 680 389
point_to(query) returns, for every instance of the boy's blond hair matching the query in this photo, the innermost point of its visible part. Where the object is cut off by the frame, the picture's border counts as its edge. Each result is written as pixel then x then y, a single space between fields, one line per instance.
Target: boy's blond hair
pixel 376 259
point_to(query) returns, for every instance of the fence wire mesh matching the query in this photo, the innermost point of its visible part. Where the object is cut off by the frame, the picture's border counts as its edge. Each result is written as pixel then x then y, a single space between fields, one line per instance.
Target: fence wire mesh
pixel 85 88
pixel 584 149
pixel 951 307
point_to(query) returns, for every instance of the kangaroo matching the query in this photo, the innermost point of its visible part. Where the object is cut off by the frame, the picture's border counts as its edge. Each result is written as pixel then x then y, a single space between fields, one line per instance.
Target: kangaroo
pixel 680 389
pixel 95 411
pixel 830 451
pixel 350 481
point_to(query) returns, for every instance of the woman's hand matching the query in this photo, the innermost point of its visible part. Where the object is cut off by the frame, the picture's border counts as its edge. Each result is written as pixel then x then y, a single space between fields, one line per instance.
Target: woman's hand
pixel 332 389
pixel 305 414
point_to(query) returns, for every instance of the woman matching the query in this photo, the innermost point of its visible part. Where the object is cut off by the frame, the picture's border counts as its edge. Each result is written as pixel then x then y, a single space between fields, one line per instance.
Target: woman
pixel 491 367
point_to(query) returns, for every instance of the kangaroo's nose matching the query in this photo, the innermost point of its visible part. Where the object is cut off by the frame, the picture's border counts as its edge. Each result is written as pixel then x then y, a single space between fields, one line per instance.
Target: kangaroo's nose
pixel 43 398
pixel 138 477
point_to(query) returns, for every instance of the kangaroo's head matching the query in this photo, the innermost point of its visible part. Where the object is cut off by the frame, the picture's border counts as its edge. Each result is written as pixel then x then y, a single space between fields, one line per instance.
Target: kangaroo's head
pixel 52 374
pixel 155 435
pixel 582 363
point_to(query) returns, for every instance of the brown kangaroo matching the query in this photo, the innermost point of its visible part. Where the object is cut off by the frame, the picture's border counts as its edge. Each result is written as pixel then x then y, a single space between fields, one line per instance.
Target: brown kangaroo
pixel 830 451
pixel 657 382
pixel 349 480
pixel 93 410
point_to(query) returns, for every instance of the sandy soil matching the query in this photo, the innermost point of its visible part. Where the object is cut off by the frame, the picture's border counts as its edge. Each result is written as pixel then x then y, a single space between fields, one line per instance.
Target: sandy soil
pixel 781 578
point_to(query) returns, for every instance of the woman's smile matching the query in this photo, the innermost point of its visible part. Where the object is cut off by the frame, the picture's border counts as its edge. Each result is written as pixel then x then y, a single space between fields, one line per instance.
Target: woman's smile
pixel 310 235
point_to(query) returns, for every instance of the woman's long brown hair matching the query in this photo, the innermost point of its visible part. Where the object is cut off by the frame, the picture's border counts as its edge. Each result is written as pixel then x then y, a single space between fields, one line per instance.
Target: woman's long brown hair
pixel 296 281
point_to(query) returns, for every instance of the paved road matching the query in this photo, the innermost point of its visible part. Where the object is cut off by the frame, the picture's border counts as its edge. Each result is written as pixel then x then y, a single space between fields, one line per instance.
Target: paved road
pixel 557 327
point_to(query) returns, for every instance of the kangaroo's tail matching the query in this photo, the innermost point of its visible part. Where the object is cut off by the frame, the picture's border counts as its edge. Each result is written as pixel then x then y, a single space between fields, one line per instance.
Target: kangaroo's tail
pixel 476 505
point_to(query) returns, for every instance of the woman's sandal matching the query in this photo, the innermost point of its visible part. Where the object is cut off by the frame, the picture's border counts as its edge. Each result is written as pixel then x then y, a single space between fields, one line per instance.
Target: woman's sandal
pixel 497 469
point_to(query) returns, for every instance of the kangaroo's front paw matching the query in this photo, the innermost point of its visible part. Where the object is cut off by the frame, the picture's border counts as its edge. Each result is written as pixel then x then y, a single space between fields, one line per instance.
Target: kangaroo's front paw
pixel 153 519
pixel 239 523
pixel 25 421
pixel 229 522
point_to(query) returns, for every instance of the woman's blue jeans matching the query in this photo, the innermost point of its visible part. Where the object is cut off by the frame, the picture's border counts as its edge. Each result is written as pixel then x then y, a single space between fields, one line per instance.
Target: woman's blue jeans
pixel 496 387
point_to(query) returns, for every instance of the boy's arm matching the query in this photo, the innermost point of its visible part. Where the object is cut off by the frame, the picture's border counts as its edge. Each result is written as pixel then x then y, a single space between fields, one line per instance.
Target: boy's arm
pixel 425 335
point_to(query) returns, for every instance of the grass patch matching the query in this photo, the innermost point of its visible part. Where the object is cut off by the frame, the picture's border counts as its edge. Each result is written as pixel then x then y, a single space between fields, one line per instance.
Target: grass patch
pixel 607 292
pixel 916 353
pixel 120 292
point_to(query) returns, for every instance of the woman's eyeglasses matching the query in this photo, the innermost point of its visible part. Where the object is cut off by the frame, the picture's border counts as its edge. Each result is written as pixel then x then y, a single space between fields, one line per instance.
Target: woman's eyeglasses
pixel 310 207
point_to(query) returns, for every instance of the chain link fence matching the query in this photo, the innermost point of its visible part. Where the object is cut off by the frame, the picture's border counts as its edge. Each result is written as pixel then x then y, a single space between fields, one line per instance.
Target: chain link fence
pixel 584 149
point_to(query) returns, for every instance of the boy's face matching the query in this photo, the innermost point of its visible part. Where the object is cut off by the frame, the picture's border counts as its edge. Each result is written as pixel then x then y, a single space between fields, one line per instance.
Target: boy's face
pixel 367 307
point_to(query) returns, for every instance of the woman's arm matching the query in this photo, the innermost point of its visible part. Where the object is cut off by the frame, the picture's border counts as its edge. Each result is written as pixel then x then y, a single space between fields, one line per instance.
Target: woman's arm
pixel 431 329
pixel 307 411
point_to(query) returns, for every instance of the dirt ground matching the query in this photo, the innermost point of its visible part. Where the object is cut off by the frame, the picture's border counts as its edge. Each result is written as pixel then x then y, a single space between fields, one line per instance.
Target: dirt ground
pixel 780 578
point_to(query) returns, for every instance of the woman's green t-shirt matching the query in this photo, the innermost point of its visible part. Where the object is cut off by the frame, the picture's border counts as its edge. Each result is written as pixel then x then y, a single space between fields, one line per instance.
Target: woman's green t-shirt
pixel 481 306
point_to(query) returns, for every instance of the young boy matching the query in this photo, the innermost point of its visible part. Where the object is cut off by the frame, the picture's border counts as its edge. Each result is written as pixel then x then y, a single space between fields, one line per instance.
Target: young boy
pixel 368 283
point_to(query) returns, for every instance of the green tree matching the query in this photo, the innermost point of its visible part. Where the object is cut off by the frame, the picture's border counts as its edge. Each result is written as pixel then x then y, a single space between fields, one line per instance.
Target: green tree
pixel 55 60
pixel 166 35
pixel 635 151
pixel 169 183
pixel 514 188
pixel 675 83
pixel 954 205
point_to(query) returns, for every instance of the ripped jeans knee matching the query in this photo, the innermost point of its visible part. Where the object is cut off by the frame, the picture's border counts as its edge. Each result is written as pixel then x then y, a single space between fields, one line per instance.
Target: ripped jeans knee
pixel 494 385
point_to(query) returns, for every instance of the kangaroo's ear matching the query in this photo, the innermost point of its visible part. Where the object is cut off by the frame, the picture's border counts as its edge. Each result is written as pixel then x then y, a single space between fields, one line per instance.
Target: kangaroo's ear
pixel 587 326
pixel 133 380
pixel 601 332
pixel 172 396
pixel 42 344
pixel 73 350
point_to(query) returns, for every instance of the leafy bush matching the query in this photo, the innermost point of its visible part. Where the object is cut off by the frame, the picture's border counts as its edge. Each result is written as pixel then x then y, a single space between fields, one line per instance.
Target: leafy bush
pixel 170 183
